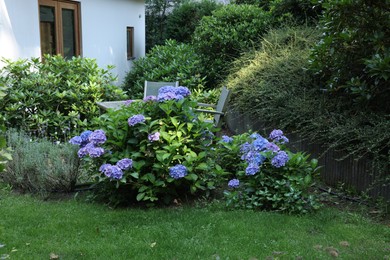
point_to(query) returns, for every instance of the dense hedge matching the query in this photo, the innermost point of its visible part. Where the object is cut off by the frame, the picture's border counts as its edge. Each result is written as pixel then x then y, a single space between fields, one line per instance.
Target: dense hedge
pixel 222 37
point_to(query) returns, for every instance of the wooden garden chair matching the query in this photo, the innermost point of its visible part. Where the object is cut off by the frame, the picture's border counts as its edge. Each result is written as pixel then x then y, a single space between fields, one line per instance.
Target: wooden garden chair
pixel 151 87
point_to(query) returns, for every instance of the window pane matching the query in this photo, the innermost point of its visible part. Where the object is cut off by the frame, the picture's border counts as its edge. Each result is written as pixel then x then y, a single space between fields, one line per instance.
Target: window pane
pixel 68 30
pixel 47 27
pixel 130 39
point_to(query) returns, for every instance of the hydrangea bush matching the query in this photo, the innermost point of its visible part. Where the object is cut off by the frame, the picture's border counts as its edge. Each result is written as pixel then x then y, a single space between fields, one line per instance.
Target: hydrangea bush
pixel 154 149
pixel 261 173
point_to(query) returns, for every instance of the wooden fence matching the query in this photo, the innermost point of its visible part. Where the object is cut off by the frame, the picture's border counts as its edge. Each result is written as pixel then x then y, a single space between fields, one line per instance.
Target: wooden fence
pixel 355 174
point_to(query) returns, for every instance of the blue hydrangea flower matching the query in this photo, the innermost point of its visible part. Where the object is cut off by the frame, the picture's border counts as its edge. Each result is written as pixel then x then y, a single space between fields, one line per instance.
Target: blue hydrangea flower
pixel 178 171
pixel 234 183
pixel 150 98
pixel 97 137
pixel 125 164
pixel 227 139
pixel 280 159
pixel 76 140
pixel 112 171
pixel 255 136
pixel 85 135
pixel 136 119
pixel 245 148
pixel 252 169
pixel 154 137
pixel 260 143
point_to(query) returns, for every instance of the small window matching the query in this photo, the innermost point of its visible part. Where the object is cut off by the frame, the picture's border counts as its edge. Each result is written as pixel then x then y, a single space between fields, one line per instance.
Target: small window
pixel 130 42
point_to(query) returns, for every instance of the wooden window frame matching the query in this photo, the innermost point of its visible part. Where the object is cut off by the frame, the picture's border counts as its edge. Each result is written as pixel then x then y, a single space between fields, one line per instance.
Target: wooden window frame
pixel 130 42
pixel 58 5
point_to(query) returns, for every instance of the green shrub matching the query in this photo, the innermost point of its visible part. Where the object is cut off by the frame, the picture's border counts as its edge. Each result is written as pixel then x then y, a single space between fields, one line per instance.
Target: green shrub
pixel 5 154
pixel 56 96
pixel 140 145
pixel 264 175
pixel 40 166
pixel 183 20
pixel 353 56
pixel 222 37
pixel 170 62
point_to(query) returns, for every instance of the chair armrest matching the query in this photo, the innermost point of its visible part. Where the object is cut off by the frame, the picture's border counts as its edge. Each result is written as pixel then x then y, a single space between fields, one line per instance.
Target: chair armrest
pixel 209 111
pixel 206 105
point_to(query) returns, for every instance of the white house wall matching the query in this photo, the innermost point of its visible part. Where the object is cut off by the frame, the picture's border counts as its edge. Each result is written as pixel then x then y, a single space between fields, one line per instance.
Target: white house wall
pixel 103 29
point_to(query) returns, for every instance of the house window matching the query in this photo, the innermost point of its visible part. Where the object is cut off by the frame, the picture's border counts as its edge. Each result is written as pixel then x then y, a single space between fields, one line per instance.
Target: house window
pixel 130 42
pixel 60 27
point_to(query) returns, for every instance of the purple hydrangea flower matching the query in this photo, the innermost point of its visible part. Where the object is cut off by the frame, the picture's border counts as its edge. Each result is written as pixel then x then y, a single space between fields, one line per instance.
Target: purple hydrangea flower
pixel 154 137
pixel 280 159
pixel 166 89
pixel 166 96
pixel 95 152
pixel 178 171
pixel 103 167
pixel 82 152
pixel 76 140
pixel 277 136
pixel 276 133
pixel 252 169
pixel 234 183
pixel 97 137
pixel 150 98
pixel 113 172
pixel 168 93
pixel 182 91
pixel 136 119
pixel 226 139
pixel 125 164
pixel 128 102
pixel 272 147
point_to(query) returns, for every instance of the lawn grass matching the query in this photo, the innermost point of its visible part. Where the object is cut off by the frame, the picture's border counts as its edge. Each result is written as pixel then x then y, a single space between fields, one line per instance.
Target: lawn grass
pixel 72 229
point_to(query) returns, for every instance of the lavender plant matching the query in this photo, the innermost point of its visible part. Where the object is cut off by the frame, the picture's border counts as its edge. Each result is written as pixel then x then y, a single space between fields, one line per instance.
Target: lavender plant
pixel 152 149
pixel 263 174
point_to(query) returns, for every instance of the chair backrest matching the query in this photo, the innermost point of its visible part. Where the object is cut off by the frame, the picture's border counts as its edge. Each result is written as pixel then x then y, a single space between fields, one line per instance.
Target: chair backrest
pixel 221 106
pixel 151 87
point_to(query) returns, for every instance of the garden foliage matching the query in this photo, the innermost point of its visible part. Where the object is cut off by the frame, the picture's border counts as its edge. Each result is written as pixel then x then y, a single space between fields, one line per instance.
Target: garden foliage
pixel 54 97
pixel 224 35
pixel 300 11
pixel 353 56
pixel 264 174
pixel 5 153
pixel 156 149
pixel 170 62
pixel 39 165
pixel 183 20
